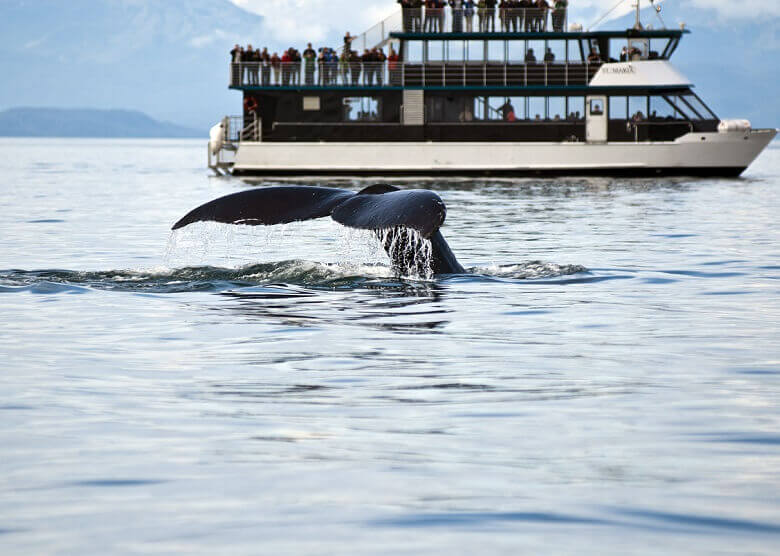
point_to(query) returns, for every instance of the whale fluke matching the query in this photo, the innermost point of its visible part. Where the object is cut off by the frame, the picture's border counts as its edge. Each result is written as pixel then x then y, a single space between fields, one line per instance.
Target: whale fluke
pixel 390 212
pixel 268 206
pixel 416 209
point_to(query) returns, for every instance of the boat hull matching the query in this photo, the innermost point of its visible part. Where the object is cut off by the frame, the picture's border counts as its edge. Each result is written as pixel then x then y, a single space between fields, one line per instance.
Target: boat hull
pixel 698 154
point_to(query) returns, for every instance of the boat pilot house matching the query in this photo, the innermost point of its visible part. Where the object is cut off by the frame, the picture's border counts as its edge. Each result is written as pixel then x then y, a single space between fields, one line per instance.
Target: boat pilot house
pixel 431 91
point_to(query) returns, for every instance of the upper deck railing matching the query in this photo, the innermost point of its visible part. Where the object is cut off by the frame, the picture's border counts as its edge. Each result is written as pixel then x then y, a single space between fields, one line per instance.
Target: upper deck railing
pixel 482 20
pixel 409 74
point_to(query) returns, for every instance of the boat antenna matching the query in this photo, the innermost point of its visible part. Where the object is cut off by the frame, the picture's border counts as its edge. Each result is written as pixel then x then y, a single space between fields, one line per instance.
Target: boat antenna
pixel 637 23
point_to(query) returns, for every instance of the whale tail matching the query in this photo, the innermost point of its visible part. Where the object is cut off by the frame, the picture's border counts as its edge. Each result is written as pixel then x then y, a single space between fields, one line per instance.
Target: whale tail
pixel 388 211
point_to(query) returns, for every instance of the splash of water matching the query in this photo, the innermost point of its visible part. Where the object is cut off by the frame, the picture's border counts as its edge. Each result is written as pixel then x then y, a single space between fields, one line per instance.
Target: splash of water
pixel 411 253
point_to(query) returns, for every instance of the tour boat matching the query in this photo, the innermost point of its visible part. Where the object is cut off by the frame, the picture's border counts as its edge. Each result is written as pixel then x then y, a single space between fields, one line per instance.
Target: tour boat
pixel 513 92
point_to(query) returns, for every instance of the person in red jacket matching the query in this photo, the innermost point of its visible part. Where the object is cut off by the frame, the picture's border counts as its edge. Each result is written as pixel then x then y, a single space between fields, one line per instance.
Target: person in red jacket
pixel 393 67
pixel 286 67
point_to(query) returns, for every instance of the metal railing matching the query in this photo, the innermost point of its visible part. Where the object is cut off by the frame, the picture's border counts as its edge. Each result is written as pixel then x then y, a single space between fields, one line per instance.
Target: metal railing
pixel 355 73
pixel 239 128
pixel 482 20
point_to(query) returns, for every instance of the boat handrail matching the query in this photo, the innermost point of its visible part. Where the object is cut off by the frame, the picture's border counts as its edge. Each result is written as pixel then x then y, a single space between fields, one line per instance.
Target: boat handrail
pixel 414 74
pixel 460 20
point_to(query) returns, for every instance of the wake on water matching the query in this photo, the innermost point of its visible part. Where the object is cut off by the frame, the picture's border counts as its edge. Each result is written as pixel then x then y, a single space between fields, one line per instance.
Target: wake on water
pixel 344 274
pixel 292 273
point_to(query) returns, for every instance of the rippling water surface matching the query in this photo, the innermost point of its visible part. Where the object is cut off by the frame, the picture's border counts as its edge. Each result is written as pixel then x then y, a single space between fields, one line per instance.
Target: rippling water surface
pixel 603 379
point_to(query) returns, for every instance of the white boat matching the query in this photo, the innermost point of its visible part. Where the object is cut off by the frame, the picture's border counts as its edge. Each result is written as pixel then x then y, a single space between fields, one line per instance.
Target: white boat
pixel 479 102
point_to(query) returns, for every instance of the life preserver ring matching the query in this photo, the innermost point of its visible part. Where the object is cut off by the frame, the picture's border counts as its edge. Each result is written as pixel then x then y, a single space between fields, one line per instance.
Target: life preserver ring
pixel 250 104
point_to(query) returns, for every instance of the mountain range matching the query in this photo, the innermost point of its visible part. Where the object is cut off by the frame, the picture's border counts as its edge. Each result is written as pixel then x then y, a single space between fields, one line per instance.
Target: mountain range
pixel 84 122
pixel 169 58
pixel 165 58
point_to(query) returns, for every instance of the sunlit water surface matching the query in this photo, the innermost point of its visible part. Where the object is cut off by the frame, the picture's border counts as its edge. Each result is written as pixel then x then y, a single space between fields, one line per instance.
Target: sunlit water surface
pixel 604 379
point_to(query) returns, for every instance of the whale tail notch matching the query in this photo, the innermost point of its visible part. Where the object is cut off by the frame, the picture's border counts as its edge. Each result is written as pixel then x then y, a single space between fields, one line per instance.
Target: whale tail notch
pixel 385 209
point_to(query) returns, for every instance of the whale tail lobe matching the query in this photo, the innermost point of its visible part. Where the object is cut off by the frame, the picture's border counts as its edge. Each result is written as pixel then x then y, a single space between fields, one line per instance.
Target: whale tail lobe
pixel 384 209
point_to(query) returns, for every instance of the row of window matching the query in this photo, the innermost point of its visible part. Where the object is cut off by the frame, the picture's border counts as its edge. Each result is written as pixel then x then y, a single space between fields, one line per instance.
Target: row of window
pixel 517 51
pixel 453 109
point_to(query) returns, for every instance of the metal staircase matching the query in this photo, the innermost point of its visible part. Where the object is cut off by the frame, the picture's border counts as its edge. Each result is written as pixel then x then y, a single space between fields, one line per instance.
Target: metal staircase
pixel 378 35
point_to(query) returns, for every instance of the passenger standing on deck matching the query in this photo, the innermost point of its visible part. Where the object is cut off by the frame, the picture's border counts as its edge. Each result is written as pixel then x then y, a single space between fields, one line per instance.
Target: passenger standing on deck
pixel 491 15
pixel 276 65
pixel 296 58
pixel 354 66
pixel 256 61
pixel 503 15
pixel 517 16
pixel 559 15
pixel 246 55
pixel 508 111
pixel 367 63
pixel 406 14
pixel 434 12
pixel 310 58
pixel 393 67
pixel 549 57
pixel 235 66
pixel 322 78
pixel 333 63
pixel 417 8
pixel 457 15
pixel 346 54
pixel 541 14
pixel 482 14
pixel 468 13
pixel 525 15
pixel 380 58
pixel 286 67
pixel 265 61
pixel 510 9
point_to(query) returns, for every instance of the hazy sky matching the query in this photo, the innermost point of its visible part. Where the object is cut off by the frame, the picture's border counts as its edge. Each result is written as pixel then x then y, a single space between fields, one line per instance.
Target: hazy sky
pixel 327 19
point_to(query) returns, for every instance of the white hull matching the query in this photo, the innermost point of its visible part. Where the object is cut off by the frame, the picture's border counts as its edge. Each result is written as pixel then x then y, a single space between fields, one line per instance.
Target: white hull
pixel 695 153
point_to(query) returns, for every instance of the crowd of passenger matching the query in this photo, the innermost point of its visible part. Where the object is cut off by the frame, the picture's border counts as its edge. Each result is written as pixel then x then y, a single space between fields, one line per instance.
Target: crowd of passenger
pixel 428 16
pixel 348 66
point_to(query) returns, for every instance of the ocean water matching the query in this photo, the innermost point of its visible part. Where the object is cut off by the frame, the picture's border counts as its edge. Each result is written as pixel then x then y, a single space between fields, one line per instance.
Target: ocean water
pixel 604 379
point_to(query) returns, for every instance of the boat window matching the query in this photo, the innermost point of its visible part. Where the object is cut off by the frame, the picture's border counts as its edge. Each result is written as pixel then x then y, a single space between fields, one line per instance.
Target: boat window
pixel 596 107
pixel 618 108
pixel 697 105
pixel 662 110
pixel 436 51
pixel 576 108
pixel 451 109
pixel 556 109
pixel 456 52
pixel 414 51
pixel 496 51
pixel 558 50
pixel 311 103
pixel 536 109
pixel 637 108
pixel 639 49
pixel 361 109
pixel 475 51
pixel 516 52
